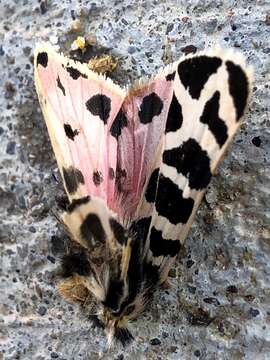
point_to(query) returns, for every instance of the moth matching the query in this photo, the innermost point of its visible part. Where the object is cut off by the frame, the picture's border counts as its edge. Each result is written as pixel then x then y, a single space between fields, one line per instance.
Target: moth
pixel 135 164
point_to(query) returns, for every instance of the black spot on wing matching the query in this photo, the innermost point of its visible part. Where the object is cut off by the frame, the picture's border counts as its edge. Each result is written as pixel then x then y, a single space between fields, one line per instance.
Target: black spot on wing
pixel 238 87
pixel 111 173
pixel 120 178
pixel 151 106
pixel 195 72
pixel 120 173
pixel 170 202
pixel 72 177
pixel 77 203
pixel 42 59
pixel 175 116
pixel 92 230
pixel 171 76
pixel 75 73
pixel 97 178
pixel 99 105
pixel 190 160
pixel 210 117
pixel 60 85
pixel 150 193
pixel 70 133
pixel 118 231
pixel 118 124
pixel 163 247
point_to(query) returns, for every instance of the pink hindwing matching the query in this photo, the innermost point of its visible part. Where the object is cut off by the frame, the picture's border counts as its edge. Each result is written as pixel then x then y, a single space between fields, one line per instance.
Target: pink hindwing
pixel 135 164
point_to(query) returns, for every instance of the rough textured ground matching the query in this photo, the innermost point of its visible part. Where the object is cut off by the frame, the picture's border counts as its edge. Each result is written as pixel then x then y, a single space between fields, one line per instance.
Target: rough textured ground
pixel 218 306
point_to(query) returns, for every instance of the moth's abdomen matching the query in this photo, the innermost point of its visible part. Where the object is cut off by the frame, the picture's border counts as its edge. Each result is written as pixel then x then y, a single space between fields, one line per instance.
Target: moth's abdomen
pixel 110 264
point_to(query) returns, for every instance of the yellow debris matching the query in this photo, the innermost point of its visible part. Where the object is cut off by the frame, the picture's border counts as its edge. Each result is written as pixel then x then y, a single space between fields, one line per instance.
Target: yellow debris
pixel 103 64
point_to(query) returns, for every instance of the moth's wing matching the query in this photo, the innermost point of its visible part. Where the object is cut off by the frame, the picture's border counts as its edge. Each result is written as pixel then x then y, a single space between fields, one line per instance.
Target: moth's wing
pixel 121 282
pixel 79 107
pixel 140 140
pixel 81 110
pixel 210 95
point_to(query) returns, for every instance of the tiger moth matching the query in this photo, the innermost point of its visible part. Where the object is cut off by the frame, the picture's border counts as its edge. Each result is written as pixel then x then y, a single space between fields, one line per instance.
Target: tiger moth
pixel 135 164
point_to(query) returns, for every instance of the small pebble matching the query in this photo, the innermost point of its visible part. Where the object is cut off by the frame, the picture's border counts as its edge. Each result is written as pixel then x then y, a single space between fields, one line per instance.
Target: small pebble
pixel 10 60
pixel 124 21
pixel 190 263
pixel 21 202
pixel 155 341
pixel 43 7
pixel 211 300
pixel 211 25
pixel 197 353
pixel 73 14
pixel 256 141
pixel 173 349
pixel 266 50
pixel 254 312
pixel 131 49
pixel 32 229
pixel 54 355
pixel 11 146
pixel 165 334
pixel 27 50
pixel 232 289
pixel 189 49
pixel 42 310
pixel 120 357
pixel 51 259
pixel 169 28
pixel 192 289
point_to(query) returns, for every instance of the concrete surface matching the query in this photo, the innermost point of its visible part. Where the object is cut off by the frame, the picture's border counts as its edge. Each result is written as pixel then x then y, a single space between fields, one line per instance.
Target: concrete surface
pixel 218 305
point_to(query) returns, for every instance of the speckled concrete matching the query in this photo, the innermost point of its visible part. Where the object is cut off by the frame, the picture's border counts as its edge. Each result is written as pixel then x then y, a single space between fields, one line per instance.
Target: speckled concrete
pixel 218 305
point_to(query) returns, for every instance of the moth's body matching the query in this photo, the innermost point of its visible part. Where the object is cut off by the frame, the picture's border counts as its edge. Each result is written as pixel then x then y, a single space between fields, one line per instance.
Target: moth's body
pixel 135 165
pixel 123 282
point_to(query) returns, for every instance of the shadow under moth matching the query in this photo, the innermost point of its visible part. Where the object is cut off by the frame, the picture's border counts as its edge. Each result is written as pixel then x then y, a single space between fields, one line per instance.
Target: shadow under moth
pixel 135 164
